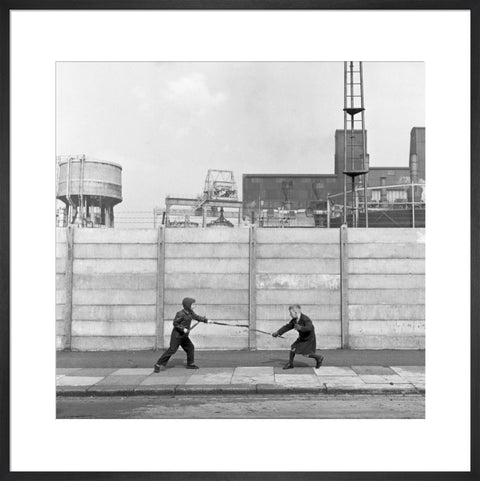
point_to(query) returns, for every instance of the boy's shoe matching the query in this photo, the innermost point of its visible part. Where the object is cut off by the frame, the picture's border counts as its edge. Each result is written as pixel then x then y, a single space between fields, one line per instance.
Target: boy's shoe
pixel 192 366
pixel 158 367
pixel 288 366
pixel 319 362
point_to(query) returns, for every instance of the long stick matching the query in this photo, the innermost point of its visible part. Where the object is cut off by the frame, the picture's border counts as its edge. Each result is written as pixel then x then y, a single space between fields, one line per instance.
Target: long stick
pixel 243 325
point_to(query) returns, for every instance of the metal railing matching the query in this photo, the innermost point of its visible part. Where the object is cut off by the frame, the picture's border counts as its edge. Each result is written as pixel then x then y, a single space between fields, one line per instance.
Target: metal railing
pixel 381 200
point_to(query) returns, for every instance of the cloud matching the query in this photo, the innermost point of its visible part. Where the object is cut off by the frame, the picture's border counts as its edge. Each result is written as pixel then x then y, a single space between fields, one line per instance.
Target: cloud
pixel 192 92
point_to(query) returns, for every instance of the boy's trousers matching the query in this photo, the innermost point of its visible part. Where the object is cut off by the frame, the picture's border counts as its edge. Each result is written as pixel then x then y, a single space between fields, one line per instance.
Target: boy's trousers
pixel 176 341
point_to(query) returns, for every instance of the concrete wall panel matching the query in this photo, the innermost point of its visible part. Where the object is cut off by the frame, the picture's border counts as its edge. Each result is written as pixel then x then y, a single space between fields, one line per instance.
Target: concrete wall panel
pixel 60 235
pixel 386 313
pixel 113 343
pixel 60 296
pixel 115 281
pixel 60 250
pixel 387 251
pixel 59 282
pixel 59 328
pixel 115 251
pixel 295 266
pixel 386 235
pixel 113 313
pixel 387 296
pixel 59 312
pixel 205 266
pixel 114 266
pixel 298 281
pixel 60 343
pixel 387 266
pixel 298 251
pixel 185 280
pixel 206 297
pixel 113 328
pixel 188 251
pixel 290 296
pixel 386 281
pixel 404 327
pixel 196 235
pixel 114 297
pixel 116 236
pixel 308 236
pixel 387 342
pixel 60 265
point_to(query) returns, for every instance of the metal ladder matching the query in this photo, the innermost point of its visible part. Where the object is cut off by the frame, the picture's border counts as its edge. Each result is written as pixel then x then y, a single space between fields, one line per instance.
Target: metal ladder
pixel 355 141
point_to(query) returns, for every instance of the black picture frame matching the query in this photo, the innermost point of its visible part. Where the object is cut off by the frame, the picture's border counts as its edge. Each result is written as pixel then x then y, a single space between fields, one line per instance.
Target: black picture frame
pixel 7 5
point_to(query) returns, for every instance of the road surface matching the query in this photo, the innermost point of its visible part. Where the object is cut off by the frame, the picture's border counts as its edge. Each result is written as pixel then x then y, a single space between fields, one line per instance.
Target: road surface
pixel 254 407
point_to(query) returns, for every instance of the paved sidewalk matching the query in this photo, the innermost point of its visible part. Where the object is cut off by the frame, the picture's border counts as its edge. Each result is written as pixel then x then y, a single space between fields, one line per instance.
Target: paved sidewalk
pixel 175 381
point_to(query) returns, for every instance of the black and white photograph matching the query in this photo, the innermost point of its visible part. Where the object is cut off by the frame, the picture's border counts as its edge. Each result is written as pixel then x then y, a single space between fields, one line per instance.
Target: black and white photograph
pixel 240 240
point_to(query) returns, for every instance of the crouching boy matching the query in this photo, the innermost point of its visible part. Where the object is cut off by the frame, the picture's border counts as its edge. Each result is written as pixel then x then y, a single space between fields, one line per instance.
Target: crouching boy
pixel 306 343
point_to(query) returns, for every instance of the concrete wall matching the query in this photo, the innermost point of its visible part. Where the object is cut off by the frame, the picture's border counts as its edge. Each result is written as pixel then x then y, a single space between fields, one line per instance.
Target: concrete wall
pixel 212 266
pixel 386 276
pixel 114 289
pixel 122 288
pixel 298 266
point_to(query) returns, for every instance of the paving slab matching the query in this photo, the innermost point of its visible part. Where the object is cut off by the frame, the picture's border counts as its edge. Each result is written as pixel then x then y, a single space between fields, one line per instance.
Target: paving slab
pixel 407 370
pixel 174 372
pixel 220 377
pixel 92 371
pixel 334 371
pixel 67 370
pixel 387 379
pixel 253 375
pixel 373 370
pixel 159 380
pixel 296 371
pixel 132 372
pixel 266 379
pixel 115 380
pixel 78 380
pixel 253 370
pixel 212 370
pixel 341 380
pixel 297 380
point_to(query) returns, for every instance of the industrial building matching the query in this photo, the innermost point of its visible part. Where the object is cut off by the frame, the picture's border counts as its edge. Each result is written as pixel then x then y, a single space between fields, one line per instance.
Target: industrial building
pixel 266 194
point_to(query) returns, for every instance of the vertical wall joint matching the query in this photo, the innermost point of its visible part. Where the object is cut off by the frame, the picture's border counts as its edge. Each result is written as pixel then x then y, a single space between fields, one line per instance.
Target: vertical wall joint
pixel 344 285
pixel 252 293
pixel 69 288
pixel 160 298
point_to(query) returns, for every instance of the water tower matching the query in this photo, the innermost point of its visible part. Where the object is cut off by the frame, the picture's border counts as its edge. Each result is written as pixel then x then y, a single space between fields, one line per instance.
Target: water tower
pixel 89 188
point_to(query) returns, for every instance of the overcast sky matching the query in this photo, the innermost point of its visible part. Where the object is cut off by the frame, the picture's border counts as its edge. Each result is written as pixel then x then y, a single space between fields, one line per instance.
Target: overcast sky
pixel 167 123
